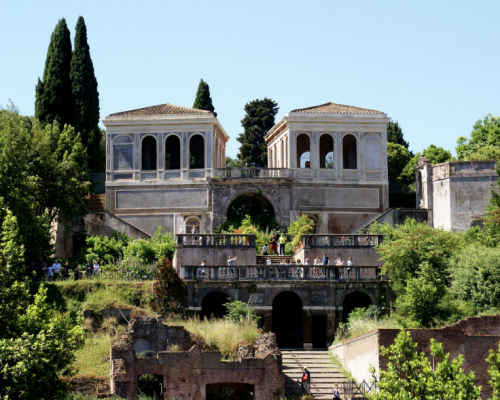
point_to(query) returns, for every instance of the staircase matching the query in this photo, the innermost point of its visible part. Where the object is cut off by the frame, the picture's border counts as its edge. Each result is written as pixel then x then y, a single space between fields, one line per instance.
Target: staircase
pixel 324 374
pixel 274 259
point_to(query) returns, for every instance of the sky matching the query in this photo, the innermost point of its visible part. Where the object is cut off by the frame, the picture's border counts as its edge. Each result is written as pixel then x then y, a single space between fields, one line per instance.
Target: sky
pixel 433 66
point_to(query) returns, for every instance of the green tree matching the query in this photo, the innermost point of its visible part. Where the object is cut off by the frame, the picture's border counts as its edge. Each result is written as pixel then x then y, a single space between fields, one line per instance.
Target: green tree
pixel 53 94
pixel 233 163
pixel 85 97
pixel 203 101
pixel 484 141
pixel 395 134
pixel 300 227
pixel 409 374
pixel 434 154
pixel 259 119
pixel 397 158
pixel 37 345
pixel 237 312
pixel 493 361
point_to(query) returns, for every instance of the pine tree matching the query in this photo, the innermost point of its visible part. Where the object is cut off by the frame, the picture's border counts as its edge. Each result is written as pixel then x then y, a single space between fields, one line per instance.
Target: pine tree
pixel 203 101
pixel 395 134
pixel 53 94
pixel 258 120
pixel 85 96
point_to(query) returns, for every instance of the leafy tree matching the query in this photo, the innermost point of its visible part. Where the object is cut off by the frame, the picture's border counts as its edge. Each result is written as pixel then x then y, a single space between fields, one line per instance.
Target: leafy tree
pixel 149 251
pixel 395 134
pixel 409 374
pixel 85 96
pixel 169 291
pixel 237 312
pixel 300 227
pixel 53 94
pixel 493 361
pixel 203 101
pixel 413 253
pixel 397 158
pixel 233 163
pixel 435 155
pixel 484 141
pixel 259 119
pixel 36 345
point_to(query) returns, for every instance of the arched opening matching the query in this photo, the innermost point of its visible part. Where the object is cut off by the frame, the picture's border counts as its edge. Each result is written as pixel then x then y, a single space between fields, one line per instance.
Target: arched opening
pixel 123 153
pixel 212 305
pixel 192 223
pixel 303 151
pixel 259 209
pixel 287 320
pixel 149 153
pixel 173 152
pixel 150 386
pixel 350 152
pixel 354 300
pixel 326 151
pixel 228 390
pixel 197 152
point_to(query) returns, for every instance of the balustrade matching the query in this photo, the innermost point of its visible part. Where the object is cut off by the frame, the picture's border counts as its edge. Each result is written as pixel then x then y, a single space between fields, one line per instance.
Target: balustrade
pixel 251 173
pixel 280 272
pixel 215 240
pixel 332 241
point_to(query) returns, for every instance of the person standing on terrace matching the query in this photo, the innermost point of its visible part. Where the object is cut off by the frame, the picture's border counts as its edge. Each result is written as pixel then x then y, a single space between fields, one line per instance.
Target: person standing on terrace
pixel 282 242
pixel 272 247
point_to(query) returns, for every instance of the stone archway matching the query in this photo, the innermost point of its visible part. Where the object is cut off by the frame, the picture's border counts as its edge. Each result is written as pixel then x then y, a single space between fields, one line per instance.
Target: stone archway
pixel 288 319
pixel 352 300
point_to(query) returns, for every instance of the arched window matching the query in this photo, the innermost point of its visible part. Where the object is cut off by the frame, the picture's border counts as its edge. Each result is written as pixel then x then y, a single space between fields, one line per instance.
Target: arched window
pixel 303 151
pixel 350 152
pixel 149 153
pixel 326 151
pixel 192 223
pixel 197 152
pixel 123 153
pixel 173 152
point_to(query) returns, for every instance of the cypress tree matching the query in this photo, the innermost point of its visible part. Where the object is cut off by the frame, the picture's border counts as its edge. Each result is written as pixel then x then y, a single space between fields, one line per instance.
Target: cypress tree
pixel 85 95
pixel 53 94
pixel 258 120
pixel 395 134
pixel 203 101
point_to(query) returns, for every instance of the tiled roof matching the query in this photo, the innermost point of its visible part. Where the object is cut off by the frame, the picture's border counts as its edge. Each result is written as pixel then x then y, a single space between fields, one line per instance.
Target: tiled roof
pixel 332 108
pixel 162 109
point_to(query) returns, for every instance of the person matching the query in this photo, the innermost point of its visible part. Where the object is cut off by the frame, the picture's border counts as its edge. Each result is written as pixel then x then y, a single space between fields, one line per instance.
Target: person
pixel 326 260
pixel 272 245
pixel 268 261
pixel 96 267
pixel 298 268
pixel 65 272
pixel 49 272
pixel 306 380
pixel 349 265
pixel 203 267
pixel 76 273
pixel 88 269
pixel 298 262
pixel 56 269
pixel 230 263
pixel 264 250
pixel 336 391
pixel 282 242
pixel 194 232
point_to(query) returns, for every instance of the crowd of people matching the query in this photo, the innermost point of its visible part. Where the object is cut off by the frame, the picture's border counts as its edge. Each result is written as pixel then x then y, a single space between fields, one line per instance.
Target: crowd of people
pixel 45 271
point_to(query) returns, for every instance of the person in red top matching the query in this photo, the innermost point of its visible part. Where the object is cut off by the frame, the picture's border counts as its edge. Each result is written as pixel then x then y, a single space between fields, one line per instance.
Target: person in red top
pixel 306 381
pixel 272 245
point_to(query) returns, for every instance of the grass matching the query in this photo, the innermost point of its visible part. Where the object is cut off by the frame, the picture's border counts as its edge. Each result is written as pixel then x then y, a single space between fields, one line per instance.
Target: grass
pixel 219 334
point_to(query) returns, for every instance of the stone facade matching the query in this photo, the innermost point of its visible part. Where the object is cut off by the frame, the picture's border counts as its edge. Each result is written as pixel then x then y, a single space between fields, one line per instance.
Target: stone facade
pixel 455 193
pixel 473 338
pixel 186 374
pixel 166 167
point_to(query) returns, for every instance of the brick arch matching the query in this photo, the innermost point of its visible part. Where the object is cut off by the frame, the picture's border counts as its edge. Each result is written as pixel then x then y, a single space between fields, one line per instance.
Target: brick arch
pixel 206 292
pixel 282 290
pixel 362 290
pixel 241 192
pixel 228 377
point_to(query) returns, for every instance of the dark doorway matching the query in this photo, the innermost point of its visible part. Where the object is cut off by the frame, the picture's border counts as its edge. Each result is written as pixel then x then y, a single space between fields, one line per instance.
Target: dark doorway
pixel 287 320
pixel 212 305
pixel 318 330
pixel 259 209
pixel 352 301
pixel 196 152
pixel 350 152
pixel 173 152
pixel 150 386
pixel 233 391
pixel 149 153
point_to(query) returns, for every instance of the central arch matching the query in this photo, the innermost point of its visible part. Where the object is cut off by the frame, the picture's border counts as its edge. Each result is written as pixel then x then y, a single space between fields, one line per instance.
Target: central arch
pixel 287 320
pixel 354 300
pixel 212 305
pixel 252 192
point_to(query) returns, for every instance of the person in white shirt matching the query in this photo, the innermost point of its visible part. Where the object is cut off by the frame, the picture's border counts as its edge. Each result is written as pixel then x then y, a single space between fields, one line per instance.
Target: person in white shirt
pixel 264 250
pixel 56 269
pixel 349 265
pixel 96 268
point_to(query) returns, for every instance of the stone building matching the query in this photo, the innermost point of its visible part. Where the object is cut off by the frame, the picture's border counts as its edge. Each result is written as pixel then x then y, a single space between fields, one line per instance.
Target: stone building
pixel 166 167
pixel 455 193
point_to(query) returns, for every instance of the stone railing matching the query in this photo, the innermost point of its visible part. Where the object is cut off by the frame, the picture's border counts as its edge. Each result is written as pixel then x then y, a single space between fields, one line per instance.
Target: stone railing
pixel 251 173
pixel 280 272
pixel 215 240
pixel 332 241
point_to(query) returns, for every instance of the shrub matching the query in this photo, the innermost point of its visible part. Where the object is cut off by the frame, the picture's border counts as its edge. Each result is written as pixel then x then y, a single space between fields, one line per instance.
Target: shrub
pixel 237 311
